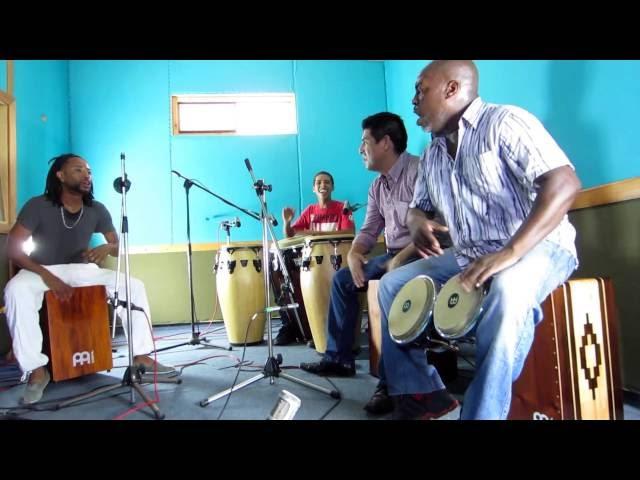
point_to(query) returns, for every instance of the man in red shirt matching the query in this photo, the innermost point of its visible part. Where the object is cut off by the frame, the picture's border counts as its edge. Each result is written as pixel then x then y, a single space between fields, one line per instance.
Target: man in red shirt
pixel 325 216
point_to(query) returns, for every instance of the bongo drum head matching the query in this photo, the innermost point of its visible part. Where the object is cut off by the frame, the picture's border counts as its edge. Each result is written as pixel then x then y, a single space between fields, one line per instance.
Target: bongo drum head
pixel 411 310
pixel 456 311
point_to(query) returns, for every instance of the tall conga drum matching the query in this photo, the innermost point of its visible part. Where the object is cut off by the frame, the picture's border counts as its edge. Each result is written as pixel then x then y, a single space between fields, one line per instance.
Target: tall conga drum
pixel 291 249
pixel 240 287
pixel 322 257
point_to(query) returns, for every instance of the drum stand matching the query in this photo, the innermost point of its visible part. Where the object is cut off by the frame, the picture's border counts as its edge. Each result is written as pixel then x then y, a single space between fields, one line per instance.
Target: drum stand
pixel 133 375
pixel 272 366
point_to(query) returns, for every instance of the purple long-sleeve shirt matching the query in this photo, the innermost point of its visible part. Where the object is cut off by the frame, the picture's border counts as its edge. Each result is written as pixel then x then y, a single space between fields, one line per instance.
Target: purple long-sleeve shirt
pixel 388 204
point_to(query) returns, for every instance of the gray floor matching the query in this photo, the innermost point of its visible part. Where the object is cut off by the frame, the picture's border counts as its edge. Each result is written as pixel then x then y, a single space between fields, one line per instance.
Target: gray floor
pixel 207 371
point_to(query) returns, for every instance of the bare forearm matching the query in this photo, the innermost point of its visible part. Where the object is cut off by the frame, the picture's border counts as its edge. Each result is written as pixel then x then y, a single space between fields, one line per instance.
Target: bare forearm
pixel 115 248
pixel 359 248
pixel 405 254
pixel 24 261
pixel 554 199
pixel 288 230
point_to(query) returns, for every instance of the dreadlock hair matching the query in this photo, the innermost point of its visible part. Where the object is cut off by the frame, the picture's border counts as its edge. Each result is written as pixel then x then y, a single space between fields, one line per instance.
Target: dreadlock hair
pixel 53 187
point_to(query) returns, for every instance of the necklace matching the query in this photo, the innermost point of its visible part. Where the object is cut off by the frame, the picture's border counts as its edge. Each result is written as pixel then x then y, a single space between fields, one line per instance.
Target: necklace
pixel 77 220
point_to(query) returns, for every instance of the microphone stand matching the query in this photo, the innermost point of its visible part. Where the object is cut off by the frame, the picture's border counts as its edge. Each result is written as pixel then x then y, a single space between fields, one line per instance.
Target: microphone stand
pixel 272 365
pixel 133 375
pixel 196 339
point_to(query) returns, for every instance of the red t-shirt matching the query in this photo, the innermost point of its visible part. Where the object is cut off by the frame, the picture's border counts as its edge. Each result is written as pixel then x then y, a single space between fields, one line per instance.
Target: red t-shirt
pixel 329 219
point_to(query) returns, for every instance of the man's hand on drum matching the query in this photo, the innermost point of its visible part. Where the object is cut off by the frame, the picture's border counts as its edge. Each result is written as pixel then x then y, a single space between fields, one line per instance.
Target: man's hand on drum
pixel 98 254
pixel 288 214
pixel 481 269
pixel 356 260
pixel 423 233
pixel 59 288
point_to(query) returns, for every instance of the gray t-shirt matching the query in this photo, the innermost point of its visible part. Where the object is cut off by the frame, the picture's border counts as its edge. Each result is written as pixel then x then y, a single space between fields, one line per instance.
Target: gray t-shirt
pixel 56 244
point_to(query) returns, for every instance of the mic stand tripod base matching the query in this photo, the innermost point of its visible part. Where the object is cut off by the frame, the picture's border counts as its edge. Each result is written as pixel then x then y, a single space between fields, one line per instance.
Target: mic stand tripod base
pixel 195 340
pixel 128 380
pixel 271 369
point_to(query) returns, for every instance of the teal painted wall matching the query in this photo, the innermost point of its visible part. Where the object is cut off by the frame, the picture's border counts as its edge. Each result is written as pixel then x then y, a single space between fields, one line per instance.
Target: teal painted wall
pixel 3 75
pixel 42 117
pixel 124 106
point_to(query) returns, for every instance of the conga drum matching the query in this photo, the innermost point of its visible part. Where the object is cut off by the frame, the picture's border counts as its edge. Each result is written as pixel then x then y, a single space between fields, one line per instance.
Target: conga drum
pixel 322 257
pixel 456 311
pixel 411 323
pixel 240 287
pixel 412 311
pixel 291 249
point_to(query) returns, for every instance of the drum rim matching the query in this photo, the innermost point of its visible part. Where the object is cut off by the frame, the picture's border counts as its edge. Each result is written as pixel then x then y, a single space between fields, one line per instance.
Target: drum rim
pixel 327 238
pixel 464 331
pixel 411 336
pixel 474 318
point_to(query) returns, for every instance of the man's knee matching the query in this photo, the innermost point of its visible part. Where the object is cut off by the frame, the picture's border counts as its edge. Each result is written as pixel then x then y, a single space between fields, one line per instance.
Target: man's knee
pixel 342 278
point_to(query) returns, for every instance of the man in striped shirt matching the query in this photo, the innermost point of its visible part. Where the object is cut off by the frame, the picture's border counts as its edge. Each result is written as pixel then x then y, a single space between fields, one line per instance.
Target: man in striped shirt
pixel 503 187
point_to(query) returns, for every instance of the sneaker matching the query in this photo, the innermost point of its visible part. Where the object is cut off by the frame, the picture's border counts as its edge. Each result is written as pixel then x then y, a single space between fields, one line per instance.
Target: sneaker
pixel 380 403
pixel 423 406
pixel 325 368
pixel 33 391
pixel 286 336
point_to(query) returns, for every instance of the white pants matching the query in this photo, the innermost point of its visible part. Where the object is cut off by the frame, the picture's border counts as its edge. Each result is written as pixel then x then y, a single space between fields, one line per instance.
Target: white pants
pixel 23 297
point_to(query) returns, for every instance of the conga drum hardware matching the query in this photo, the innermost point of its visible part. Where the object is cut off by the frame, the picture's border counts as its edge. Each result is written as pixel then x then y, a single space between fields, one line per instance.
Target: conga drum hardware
pixel 316 277
pixel 240 290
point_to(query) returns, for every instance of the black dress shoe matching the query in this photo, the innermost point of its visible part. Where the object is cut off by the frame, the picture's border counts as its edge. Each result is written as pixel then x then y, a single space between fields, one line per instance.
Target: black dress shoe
pixel 325 368
pixel 286 336
pixel 380 403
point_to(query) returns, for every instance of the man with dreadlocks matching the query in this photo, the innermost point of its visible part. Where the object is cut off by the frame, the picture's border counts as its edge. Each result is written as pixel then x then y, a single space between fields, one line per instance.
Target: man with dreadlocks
pixel 61 223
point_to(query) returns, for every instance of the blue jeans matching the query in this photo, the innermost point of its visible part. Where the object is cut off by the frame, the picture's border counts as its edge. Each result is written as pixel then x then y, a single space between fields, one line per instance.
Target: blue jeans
pixel 504 330
pixel 344 308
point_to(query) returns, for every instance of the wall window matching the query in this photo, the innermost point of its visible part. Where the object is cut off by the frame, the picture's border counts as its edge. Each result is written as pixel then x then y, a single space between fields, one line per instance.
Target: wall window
pixel 235 114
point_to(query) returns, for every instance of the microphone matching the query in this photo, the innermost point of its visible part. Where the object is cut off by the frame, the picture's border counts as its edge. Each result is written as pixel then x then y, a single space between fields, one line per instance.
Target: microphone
pixel 176 173
pixel 231 223
pixel 123 304
pixel 352 208
pixel 273 220
pixel 248 164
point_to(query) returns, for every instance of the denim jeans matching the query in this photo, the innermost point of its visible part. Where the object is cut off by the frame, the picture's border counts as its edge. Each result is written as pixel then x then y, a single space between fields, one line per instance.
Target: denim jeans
pixel 344 308
pixel 504 329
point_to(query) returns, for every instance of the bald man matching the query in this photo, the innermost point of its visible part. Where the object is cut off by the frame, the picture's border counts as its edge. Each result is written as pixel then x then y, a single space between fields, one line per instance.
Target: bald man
pixel 503 186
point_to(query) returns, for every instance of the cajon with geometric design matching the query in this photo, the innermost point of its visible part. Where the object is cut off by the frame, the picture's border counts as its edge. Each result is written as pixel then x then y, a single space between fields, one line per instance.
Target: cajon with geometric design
pixel 76 333
pixel 573 368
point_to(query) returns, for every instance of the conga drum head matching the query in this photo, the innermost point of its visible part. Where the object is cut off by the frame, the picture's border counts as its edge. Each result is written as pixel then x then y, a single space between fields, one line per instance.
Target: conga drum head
pixel 456 310
pixel 291 242
pixel 411 310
